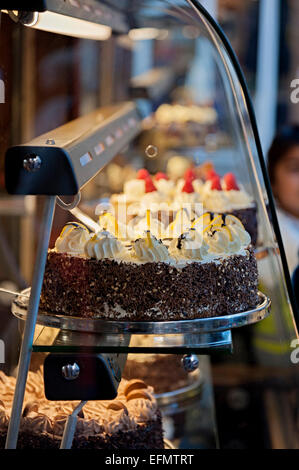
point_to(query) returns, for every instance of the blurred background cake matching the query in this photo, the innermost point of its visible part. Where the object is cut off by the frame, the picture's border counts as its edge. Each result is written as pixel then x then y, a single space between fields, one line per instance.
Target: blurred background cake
pixel 164 372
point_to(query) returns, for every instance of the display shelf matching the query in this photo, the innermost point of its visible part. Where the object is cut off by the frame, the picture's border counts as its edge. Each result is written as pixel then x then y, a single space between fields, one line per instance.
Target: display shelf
pixel 73 334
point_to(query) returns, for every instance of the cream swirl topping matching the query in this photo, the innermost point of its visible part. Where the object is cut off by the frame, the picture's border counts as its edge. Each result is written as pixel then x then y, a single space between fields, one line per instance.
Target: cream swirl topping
pixel 103 245
pixel 72 239
pixel 222 240
pixel 149 249
pixel 186 198
pixel 239 199
pixel 190 245
pixel 165 186
pixel 134 189
pixel 225 200
pixel 214 200
pixel 237 228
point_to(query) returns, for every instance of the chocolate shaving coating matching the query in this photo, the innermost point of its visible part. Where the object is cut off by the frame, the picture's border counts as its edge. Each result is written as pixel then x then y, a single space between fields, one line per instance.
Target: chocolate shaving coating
pixel 150 291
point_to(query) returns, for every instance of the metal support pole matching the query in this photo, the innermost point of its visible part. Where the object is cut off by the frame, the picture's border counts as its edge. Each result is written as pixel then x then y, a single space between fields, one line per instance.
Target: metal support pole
pixel 70 427
pixel 25 354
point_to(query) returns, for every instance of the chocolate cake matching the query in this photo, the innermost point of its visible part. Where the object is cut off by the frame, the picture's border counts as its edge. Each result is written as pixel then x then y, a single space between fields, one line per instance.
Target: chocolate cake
pixel 131 421
pixel 150 291
pixel 195 277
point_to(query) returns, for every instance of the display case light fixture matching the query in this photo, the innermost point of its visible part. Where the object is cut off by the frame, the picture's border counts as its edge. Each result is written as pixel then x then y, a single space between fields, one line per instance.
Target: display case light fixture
pixel 79 18
pixel 63 160
pixel 55 23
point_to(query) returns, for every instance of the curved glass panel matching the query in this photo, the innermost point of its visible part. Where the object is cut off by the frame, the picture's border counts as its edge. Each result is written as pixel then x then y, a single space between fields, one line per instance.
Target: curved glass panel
pixel 211 74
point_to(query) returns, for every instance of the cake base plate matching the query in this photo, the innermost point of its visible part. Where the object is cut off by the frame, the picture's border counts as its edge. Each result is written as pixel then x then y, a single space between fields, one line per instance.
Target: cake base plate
pixel 98 335
pixel 198 325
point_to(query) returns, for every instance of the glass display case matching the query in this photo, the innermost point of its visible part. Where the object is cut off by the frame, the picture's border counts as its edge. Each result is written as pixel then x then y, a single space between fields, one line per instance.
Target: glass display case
pixel 140 108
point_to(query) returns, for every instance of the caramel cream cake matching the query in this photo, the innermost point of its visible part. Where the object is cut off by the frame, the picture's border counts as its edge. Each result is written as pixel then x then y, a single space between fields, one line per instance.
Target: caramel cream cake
pixel 130 421
pixel 208 270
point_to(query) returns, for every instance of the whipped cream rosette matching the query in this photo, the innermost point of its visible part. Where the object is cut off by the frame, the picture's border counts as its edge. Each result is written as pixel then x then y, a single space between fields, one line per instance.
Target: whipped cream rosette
pixel 72 239
pixel 164 185
pixel 132 417
pixel 134 189
pixel 238 199
pixel 149 249
pixel 224 195
pixel 236 227
pixel 225 235
pixel 190 245
pixel 150 199
pixel 104 245
pixel 181 223
pixel 222 241
pixel 214 199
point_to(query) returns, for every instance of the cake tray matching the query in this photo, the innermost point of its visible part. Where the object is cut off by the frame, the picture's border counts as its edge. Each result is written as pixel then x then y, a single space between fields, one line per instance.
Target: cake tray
pixel 200 325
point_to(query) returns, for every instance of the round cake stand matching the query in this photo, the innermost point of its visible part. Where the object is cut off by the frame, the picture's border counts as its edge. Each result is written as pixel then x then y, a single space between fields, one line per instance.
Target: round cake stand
pixel 201 333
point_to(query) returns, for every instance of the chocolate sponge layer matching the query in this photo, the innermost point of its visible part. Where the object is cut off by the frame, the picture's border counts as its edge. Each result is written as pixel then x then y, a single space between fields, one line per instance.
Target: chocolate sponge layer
pixel 151 291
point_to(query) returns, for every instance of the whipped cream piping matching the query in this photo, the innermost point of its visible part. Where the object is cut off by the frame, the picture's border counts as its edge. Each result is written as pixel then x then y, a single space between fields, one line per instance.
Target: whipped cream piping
pixel 72 239
pixel 190 245
pixel 208 237
pixel 149 249
pixel 103 245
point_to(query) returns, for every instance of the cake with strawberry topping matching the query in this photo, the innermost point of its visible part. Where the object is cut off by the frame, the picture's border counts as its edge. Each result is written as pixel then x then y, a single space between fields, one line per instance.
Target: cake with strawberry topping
pixel 225 195
pixel 198 189
pixel 207 269
pixel 143 193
